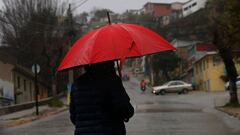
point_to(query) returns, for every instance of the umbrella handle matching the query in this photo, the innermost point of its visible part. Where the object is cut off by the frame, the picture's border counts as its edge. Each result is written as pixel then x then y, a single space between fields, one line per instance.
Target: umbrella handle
pixel 122 61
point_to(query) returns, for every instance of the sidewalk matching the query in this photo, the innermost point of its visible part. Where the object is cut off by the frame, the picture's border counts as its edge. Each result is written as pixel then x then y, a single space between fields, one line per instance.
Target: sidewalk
pixel 29 115
pixel 232 111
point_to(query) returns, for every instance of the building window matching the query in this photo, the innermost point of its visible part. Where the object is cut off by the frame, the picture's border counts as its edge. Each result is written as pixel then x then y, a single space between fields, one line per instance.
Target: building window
pixel 203 65
pixel 1 91
pixel 30 88
pixel 24 85
pixel 185 8
pixel 216 60
pixel 196 69
pixel 18 82
pixel 208 85
pixel 194 4
pixel 207 63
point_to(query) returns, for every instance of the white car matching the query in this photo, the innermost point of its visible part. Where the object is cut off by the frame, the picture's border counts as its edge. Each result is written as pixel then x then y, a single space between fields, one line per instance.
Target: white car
pixel 237 84
pixel 172 86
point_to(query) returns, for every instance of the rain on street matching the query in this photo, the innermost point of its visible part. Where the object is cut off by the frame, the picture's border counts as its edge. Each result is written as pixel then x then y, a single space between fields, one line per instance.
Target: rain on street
pixel 154 115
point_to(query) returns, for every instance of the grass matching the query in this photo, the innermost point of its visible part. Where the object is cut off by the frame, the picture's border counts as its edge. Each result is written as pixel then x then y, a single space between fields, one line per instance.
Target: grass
pixel 234 105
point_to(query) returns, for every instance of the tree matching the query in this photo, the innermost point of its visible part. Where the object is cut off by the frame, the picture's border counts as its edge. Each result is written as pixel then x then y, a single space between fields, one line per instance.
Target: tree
pixel 224 16
pixel 34 29
pixel 82 18
pixel 142 19
pixel 100 14
pixel 164 62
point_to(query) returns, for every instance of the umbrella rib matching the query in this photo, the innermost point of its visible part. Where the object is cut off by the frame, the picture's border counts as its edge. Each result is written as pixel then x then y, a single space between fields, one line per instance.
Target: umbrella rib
pixel 95 37
pixel 127 30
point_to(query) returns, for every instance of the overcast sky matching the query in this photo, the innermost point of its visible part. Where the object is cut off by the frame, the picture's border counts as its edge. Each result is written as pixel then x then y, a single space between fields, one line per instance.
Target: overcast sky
pixel 118 6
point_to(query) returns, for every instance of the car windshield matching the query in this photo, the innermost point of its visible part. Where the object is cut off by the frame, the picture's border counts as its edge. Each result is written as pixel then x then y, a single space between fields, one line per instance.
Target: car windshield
pixel 166 83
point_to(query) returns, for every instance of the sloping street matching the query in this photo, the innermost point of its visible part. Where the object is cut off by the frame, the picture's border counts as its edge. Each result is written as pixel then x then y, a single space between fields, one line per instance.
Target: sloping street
pixel 155 115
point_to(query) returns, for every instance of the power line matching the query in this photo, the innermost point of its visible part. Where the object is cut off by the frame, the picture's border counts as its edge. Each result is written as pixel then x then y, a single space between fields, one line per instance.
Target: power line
pixel 76 7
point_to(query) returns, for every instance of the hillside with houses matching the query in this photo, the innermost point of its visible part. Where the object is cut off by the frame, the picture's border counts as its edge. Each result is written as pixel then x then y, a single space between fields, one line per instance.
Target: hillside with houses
pixel 182 24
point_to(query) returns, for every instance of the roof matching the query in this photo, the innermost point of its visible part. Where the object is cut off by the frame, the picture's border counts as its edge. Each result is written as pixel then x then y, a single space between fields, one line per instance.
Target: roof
pixel 155 3
pixel 24 71
pixel 28 73
pixel 205 47
pixel 207 54
pixel 188 1
pixel 177 2
pixel 181 43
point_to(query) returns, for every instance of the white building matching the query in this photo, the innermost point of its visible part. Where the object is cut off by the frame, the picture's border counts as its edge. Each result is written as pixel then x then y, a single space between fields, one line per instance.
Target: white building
pixel 6 80
pixel 193 6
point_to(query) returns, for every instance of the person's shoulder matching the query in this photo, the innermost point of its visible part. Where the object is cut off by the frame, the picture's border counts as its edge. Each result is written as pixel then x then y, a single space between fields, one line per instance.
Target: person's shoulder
pixel 82 77
pixel 82 82
pixel 114 80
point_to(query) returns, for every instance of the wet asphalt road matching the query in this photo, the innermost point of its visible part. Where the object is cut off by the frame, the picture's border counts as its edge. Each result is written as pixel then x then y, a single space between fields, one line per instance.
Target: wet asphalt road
pixel 173 114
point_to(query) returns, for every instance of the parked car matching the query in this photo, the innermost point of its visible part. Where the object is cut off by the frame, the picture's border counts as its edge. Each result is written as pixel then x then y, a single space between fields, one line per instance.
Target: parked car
pixel 176 86
pixel 237 84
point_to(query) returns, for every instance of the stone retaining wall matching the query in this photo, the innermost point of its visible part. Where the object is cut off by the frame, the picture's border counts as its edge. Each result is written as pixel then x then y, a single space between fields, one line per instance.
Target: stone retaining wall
pixel 24 106
pixel 19 107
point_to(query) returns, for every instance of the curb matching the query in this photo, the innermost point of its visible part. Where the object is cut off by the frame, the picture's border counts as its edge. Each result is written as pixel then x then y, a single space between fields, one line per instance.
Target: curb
pixel 230 113
pixel 28 119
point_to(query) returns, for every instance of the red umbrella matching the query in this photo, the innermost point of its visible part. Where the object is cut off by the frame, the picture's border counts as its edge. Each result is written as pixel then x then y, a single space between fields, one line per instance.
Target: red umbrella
pixel 112 42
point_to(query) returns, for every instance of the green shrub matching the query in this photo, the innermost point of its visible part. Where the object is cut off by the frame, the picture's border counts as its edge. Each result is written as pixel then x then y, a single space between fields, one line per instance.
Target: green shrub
pixel 55 103
pixel 232 105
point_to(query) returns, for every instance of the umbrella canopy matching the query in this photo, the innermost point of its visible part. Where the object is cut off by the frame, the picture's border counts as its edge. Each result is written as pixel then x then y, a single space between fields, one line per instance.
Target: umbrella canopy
pixel 112 42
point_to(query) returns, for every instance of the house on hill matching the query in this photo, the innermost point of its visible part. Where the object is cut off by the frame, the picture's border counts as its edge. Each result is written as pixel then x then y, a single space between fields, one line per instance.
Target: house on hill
pixel 17 82
pixel 195 52
pixel 208 72
pixel 193 6
pixel 164 12
pixel 6 80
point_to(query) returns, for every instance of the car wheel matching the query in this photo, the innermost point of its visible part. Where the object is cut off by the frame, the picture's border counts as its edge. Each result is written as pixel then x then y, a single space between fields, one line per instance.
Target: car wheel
pixel 162 92
pixel 185 91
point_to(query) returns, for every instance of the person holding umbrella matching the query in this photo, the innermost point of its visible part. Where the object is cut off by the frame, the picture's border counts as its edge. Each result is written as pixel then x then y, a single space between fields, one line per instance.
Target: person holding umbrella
pixel 99 103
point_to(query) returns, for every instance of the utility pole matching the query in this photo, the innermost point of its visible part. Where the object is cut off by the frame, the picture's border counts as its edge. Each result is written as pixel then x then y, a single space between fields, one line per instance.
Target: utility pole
pixel 70 34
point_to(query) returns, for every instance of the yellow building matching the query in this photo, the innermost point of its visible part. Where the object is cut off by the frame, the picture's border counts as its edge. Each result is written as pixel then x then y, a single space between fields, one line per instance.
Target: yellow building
pixel 208 71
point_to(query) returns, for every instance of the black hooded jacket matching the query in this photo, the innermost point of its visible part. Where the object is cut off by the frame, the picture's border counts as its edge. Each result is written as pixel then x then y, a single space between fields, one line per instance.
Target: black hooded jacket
pixel 99 104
